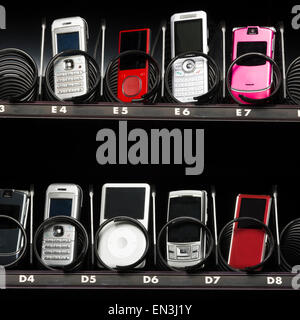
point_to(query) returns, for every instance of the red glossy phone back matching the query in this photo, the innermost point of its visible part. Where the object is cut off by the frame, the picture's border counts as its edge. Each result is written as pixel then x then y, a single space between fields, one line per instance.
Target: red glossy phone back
pixel 248 245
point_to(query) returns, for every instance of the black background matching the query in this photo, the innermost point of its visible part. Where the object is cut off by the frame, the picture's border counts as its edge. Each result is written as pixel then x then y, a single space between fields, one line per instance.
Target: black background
pixel 24 19
pixel 238 157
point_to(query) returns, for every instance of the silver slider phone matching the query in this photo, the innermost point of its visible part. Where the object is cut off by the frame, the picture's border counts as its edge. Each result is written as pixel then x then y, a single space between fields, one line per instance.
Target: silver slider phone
pixel 190 74
pixel 70 73
pixel 186 242
pixel 60 240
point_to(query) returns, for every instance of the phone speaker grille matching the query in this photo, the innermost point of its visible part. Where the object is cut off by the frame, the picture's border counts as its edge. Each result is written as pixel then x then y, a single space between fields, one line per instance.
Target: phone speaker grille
pixel 187 16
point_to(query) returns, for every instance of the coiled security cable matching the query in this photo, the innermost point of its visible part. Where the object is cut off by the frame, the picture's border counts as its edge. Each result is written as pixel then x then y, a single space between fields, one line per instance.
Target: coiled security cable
pixel 293 82
pixel 290 245
pixel 81 241
pixel 214 78
pixel 181 220
pixel 93 72
pixel 23 240
pixel 111 78
pixel 225 239
pixel 18 76
pixel 276 82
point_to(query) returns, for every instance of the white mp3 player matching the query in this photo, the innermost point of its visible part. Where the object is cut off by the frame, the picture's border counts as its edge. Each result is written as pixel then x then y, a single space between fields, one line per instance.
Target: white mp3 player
pixel 123 244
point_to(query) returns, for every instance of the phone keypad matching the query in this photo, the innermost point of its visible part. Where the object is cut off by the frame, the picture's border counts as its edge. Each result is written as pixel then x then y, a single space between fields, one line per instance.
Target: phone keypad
pixel 70 76
pixel 187 85
pixel 56 249
pixel 69 82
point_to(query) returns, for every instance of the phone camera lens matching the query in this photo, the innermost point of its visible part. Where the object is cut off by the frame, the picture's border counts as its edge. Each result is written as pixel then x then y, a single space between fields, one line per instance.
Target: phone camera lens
pixel 252 31
pixel 69 64
pixel 58 231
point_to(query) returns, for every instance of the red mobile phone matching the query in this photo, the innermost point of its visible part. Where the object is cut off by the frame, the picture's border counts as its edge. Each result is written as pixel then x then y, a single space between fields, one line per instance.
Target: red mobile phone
pixel 133 70
pixel 248 242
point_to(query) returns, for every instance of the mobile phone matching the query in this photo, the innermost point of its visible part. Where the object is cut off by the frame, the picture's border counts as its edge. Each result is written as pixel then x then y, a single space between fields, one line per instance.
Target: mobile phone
pixel 133 70
pixel 70 73
pixel 252 77
pixel 123 244
pixel 60 240
pixel 186 242
pixel 248 241
pixel 13 203
pixel 190 75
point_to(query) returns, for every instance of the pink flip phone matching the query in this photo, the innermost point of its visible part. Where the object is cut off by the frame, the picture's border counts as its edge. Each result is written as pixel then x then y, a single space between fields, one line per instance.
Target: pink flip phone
pixel 252 77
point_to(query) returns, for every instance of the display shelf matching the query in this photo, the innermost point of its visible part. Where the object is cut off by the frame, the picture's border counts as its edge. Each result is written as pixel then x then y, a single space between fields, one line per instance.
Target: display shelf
pixel 99 279
pixel 159 111
pixel 150 280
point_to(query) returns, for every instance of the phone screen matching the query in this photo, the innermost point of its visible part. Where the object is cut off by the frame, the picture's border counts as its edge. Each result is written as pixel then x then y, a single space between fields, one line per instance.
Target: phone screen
pixel 253 208
pixel 67 41
pixel 188 36
pixel 9 231
pixel 186 206
pixel 128 202
pixel 248 47
pixel 133 40
pixel 11 211
pixel 60 207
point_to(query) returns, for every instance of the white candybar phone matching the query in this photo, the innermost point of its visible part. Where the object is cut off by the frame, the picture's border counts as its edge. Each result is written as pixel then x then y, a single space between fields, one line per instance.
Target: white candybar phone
pixel 59 241
pixel 190 75
pixel 13 203
pixel 70 73
pixel 186 243
pixel 123 244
